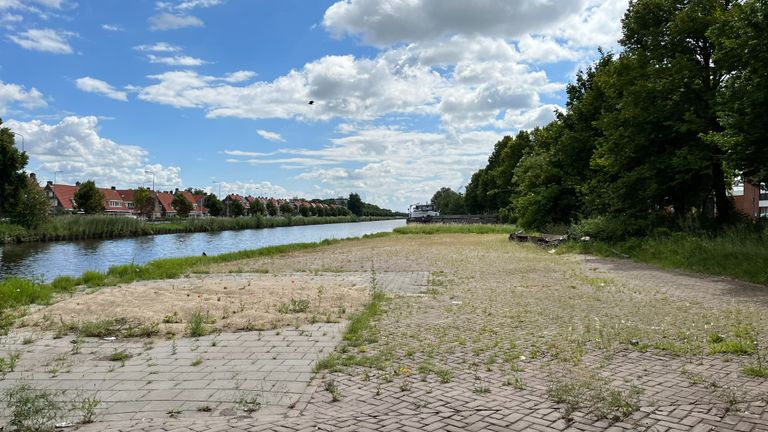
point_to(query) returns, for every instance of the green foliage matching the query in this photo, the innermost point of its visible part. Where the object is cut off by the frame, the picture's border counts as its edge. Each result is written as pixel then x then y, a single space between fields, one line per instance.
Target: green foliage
pixel 15 292
pixel 448 202
pixel 144 201
pixel 294 306
pixel 89 199
pixel 590 392
pixel 355 204
pixel 286 208
pixel 182 205
pixel 454 229
pixel 13 179
pixel 235 208
pixel 33 207
pixel 214 205
pixel 736 252
pixel 304 210
pixel 258 208
pixel 271 208
pixel 197 325
pixel 32 409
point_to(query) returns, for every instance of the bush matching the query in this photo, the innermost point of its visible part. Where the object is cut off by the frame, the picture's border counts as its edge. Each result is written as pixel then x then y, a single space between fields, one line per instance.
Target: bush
pixel 609 228
pixel 31 409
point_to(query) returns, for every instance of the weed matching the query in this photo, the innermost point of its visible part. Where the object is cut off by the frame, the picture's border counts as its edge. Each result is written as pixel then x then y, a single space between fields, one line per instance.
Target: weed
pixel 28 340
pixel 444 375
pixel 77 344
pixel 120 356
pixel 249 402
pixel 294 306
pixel 196 327
pixel 31 409
pixel 759 367
pixel 515 381
pixel 172 318
pixel 405 386
pixel 86 405
pixel 174 413
pixel 197 362
pixel 331 387
pixel 204 408
pixel 481 389
pixel 9 365
pixel 588 391
pixel 174 347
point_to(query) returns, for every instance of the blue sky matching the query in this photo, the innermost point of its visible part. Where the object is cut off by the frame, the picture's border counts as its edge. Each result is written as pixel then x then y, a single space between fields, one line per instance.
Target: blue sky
pixel 409 96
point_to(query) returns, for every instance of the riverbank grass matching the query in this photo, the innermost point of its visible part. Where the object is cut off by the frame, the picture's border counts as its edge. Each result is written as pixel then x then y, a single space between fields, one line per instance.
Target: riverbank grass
pixel 737 253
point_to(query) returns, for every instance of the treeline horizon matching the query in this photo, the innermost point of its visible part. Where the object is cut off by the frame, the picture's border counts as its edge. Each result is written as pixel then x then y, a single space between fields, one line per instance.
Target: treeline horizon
pixel 651 137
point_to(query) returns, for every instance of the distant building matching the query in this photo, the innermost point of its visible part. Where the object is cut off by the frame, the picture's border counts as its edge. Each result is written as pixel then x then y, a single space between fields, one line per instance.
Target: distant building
pixel 750 199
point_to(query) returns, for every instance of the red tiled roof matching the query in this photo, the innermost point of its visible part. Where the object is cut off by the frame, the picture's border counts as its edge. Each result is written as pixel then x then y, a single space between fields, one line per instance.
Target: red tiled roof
pixel 65 194
pixel 165 199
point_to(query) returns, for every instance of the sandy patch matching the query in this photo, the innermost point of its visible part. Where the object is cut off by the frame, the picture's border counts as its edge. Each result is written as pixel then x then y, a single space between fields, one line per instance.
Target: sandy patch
pixel 230 301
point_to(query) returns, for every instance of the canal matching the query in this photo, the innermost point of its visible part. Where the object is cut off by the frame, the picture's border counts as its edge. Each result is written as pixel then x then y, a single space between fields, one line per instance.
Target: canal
pixel 45 261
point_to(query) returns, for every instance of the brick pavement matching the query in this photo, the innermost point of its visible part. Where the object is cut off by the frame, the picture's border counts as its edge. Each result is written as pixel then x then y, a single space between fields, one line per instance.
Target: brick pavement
pixel 477 326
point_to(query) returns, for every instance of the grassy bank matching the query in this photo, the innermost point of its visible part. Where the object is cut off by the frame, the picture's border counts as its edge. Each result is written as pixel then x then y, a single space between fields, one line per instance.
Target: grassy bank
pixel 105 227
pixel 738 253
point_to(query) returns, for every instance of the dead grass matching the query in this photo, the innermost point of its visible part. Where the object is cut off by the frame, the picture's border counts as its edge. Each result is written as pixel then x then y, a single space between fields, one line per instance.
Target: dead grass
pixel 228 302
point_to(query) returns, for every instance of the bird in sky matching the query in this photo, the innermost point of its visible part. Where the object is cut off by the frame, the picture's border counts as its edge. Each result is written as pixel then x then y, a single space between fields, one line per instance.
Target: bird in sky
pixel 311 102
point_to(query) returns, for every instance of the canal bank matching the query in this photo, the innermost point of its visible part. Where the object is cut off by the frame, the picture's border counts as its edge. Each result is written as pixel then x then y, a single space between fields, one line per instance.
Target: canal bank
pixel 45 261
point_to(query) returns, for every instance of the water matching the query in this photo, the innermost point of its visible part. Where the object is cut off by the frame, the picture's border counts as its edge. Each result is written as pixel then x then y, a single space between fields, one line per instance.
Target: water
pixel 72 258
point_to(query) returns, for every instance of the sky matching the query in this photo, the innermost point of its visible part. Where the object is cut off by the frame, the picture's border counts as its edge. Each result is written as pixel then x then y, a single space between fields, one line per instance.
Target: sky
pixel 408 95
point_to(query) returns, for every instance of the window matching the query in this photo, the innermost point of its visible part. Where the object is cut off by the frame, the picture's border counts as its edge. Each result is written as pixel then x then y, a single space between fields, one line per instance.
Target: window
pixel 130 204
pixel 114 203
pixel 763 196
pixel 764 212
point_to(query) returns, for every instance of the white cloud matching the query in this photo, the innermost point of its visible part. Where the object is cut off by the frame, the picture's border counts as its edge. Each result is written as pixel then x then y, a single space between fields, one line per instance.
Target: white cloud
pixel 56 4
pixel 9 20
pixel 392 166
pixel 93 85
pixel 75 147
pixel 170 21
pixel 263 188
pixel 598 24
pixel 384 23
pixel 112 27
pixel 271 136
pixel 158 47
pixel 239 76
pixel 11 94
pixel 47 40
pixel 185 5
pixel 179 60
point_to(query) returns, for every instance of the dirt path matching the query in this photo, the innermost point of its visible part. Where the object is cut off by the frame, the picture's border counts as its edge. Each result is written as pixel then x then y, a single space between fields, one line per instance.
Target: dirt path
pixel 483 334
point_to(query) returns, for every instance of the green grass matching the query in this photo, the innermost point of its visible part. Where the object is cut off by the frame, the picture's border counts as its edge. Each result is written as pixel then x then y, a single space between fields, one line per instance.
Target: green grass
pixel 197 327
pixel 738 253
pixel 80 227
pixel 15 292
pixel 455 229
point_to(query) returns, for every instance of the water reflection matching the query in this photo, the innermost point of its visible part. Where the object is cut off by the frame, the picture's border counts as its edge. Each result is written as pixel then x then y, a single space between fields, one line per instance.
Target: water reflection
pixel 48 260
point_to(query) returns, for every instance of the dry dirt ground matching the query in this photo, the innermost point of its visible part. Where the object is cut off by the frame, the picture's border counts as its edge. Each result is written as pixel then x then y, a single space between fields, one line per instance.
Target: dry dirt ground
pixel 483 334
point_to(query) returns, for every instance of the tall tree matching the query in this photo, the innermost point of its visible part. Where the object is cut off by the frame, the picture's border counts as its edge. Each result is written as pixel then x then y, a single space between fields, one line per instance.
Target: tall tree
pixel 89 199
pixel 235 208
pixel 33 207
pixel 182 205
pixel 286 208
pixel 271 208
pixel 13 179
pixel 668 93
pixel 257 207
pixel 448 202
pixel 213 204
pixel 355 204
pixel 741 50
pixel 144 201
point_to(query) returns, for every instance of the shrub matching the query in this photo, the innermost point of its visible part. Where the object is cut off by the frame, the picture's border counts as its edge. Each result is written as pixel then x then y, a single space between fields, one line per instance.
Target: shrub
pixel 31 409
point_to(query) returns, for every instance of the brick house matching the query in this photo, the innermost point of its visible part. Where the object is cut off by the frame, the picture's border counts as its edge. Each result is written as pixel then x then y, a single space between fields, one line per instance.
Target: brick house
pixel 750 199
pixel 62 199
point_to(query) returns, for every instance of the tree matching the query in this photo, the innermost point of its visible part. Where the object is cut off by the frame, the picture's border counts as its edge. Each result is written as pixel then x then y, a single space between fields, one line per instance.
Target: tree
pixel 257 207
pixel 33 206
pixel 213 204
pixel 286 208
pixel 271 208
pixel 236 208
pixel 89 199
pixel 182 205
pixel 13 179
pixel 144 201
pixel 668 83
pixel 355 204
pixel 196 191
pixel 742 52
pixel 448 202
pixel 304 210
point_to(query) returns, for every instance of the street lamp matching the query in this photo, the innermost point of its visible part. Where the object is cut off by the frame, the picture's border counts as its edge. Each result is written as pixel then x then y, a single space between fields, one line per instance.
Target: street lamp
pixel 22 140
pixel 55 200
pixel 153 178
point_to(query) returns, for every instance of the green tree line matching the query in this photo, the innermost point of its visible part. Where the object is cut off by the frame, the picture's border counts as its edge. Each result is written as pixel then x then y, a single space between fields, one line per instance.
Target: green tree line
pixel 653 136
